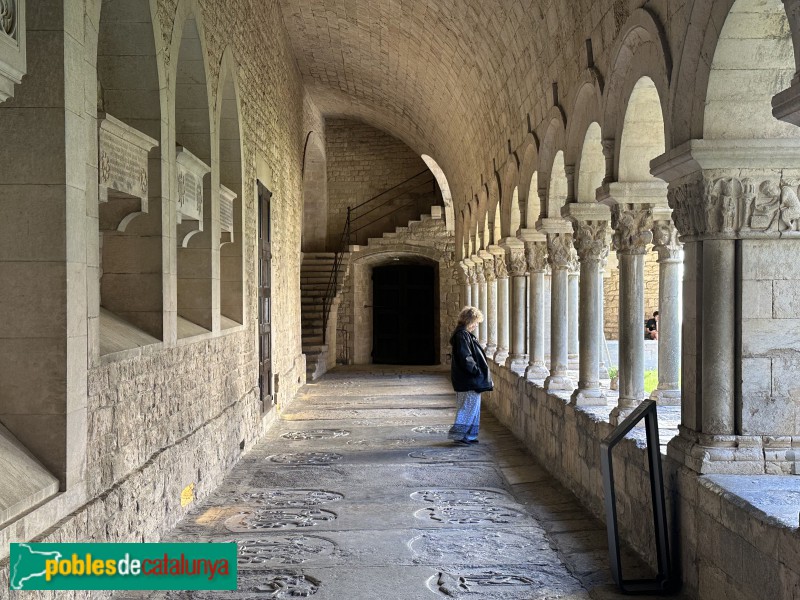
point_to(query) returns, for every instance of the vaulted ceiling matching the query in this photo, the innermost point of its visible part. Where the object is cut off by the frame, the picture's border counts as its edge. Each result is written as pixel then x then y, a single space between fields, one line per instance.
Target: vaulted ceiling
pixel 454 79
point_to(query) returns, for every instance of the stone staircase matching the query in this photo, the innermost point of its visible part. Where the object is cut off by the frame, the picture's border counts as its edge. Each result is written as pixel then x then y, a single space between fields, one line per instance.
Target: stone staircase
pixel 315 273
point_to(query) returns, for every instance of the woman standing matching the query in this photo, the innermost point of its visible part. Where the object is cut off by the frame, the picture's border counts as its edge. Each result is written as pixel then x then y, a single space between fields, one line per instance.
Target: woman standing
pixel 469 372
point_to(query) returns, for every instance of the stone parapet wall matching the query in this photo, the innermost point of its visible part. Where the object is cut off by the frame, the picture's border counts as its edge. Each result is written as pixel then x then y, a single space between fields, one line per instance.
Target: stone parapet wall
pixel 728 548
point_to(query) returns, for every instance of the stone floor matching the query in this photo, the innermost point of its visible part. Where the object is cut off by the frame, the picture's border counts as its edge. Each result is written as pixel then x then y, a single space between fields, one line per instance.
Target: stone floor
pixel 357 494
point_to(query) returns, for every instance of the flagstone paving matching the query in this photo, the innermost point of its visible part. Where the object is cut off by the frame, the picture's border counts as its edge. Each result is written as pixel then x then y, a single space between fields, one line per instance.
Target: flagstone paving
pixel 356 493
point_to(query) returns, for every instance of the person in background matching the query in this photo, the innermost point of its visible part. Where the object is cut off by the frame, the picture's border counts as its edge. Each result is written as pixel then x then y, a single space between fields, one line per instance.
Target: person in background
pixel 469 372
pixel 651 328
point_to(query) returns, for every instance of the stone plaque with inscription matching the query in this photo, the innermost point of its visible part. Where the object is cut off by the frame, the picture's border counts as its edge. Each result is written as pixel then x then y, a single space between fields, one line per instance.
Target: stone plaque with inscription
pixel 122 164
pixel 191 171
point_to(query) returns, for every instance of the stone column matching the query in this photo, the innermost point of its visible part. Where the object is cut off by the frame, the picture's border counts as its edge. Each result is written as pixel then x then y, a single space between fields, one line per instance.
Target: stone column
pixel 536 256
pixel 670 259
pixel 491 305
pixel 719 337
pixel 517 359
pixel 473 284
pixel 466 292
pixel 573 285
pixel 559 247
pixel 632 224
pixel 480 277
pixel 589 223
pixel 602 367
pixel 501 272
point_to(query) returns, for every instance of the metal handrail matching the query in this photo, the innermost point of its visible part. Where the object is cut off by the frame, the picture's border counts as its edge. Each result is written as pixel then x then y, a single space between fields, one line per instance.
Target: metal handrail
pixel 383 216
pixel 664 582
pixel 386 191
pixel 374 208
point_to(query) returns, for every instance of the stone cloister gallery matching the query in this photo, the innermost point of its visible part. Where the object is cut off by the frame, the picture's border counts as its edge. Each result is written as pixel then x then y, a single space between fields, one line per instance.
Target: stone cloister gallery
pixel 210 209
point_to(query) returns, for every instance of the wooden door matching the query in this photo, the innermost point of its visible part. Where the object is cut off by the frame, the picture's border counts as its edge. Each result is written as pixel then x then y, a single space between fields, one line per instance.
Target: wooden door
pixel 265 379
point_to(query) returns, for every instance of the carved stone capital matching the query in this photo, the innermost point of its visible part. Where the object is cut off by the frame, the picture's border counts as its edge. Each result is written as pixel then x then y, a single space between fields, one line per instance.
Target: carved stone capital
pixel 500 268
pixel 488 269
pixel 559 250
pixel 729 207
pixel 632 228
pixel 665 240
pixel 590 240
pixel 518 264
pixel 536 256
pixel 464 274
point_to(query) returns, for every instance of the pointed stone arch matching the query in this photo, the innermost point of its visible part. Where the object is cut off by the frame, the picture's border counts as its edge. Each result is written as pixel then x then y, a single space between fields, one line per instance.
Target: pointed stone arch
pixel 228 126
pixel 529 201
pixel 444 188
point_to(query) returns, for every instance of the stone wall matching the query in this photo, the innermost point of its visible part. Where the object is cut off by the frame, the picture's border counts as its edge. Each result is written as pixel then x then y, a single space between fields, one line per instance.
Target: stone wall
pixel 611 291
pixel 427 239
pixel 177 412
pixel 364 162
pixel 728 548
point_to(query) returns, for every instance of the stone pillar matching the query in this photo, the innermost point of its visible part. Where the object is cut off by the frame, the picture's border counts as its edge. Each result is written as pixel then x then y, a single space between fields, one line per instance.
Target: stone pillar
pixel 536 256
pixel 559 250
pixel 735 205
pixel 517 359
pixel 719 337
pixel 473 284
pixel 480 278
pixel 632 222
pixel 501 272
pixel 670 259
pixel 573 285
pixel 491 305
pixel 466 292
pixel 602 367
pixel 589 223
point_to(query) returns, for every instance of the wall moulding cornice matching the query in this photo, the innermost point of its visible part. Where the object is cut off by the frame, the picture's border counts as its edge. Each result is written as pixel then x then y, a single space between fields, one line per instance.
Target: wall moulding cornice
pixel 13 64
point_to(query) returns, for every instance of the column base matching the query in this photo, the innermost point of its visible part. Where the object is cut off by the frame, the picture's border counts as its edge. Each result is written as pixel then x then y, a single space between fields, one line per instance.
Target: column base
pixel 536 371
pixel 620 413
pixel 734 454
pixel 603 370
pixel 491 350
pixel 516 362
pixel 558 382
pixel 588 397
pixel 668 397
pixel 500 356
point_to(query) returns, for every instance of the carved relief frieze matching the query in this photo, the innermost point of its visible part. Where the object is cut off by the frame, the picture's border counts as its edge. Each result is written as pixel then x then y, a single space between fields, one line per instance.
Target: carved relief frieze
pixel 559 250
pixel 590 240
pixel 632 229
pixel 730 207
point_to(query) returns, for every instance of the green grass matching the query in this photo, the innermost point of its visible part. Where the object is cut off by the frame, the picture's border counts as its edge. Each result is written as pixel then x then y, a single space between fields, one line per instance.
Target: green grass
pixel 650 379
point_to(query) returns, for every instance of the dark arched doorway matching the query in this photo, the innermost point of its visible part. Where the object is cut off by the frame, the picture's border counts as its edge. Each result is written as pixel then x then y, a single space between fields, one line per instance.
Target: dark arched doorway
pixel 404 328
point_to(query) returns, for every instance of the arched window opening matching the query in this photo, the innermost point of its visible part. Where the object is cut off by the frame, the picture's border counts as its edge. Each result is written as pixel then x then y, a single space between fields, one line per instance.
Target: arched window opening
pixel 642 132
pixel 557 196
pixel 593 165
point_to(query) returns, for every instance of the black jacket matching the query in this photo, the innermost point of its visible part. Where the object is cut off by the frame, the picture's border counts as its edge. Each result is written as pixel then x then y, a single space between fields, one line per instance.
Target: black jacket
pixel 469 370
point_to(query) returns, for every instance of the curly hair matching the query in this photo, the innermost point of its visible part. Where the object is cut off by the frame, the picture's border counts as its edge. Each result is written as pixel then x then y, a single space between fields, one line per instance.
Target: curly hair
pixel 469 315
